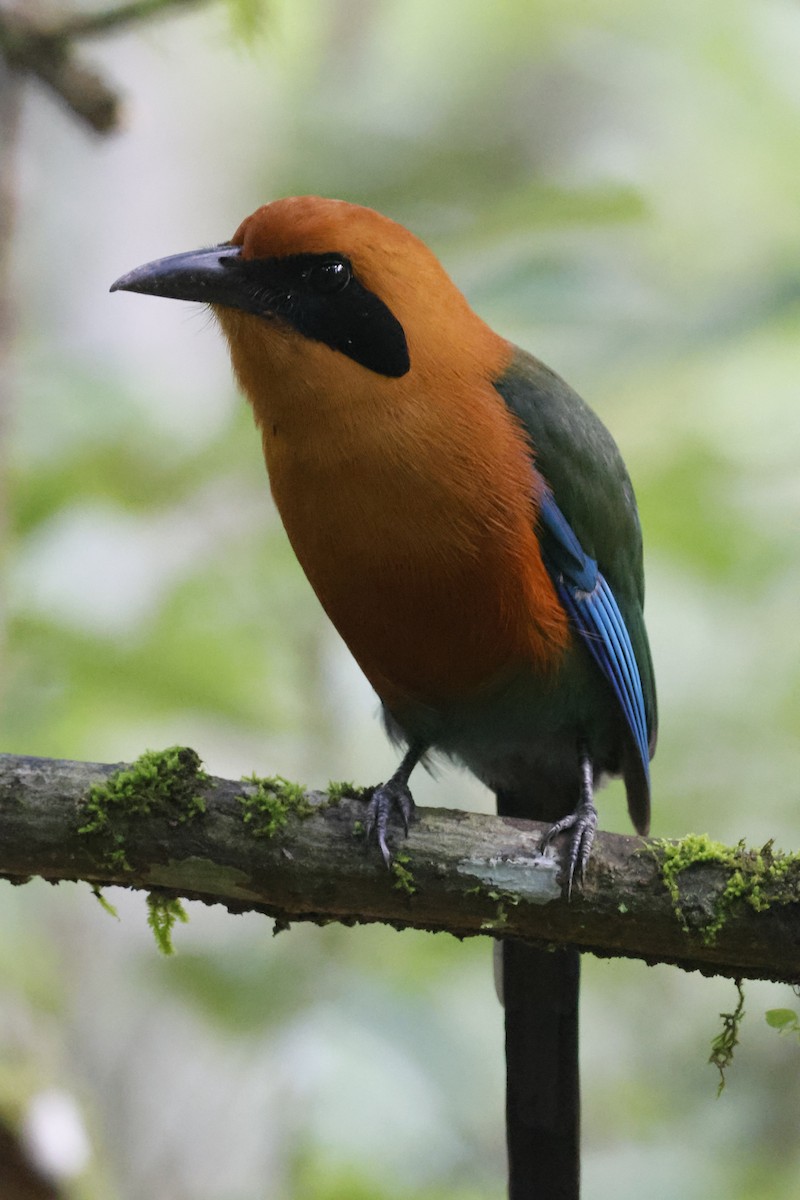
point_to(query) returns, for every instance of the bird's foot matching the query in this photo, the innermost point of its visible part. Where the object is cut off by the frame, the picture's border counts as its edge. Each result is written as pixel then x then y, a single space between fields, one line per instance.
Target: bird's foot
pixel 583 824
pixel 388 798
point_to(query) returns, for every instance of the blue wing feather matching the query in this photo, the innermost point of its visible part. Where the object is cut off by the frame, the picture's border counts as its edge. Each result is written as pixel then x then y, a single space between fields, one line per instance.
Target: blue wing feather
pixel 595 614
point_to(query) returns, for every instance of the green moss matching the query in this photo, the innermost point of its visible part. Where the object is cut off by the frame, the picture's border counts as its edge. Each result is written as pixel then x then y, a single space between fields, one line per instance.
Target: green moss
pixel 162 914
pixel 727 1039
pixel 105 904
pixel 760 878
pixel 343 790
pixel 503 901
pixel 163 783
pixel 275 799
pixel 403 880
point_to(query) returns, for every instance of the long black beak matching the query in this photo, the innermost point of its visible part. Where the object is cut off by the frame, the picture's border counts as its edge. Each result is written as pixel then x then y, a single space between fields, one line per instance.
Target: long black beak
pixel 209 276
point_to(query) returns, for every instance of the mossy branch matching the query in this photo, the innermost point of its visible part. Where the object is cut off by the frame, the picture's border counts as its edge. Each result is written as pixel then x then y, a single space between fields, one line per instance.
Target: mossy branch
pixel 164 826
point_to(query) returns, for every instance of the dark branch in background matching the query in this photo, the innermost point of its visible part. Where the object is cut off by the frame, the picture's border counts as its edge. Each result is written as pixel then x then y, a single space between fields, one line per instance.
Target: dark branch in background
pixel 298 856
pixel 47 51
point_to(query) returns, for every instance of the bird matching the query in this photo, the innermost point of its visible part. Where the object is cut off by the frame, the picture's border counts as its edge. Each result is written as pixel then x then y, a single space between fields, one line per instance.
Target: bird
pixel 469 526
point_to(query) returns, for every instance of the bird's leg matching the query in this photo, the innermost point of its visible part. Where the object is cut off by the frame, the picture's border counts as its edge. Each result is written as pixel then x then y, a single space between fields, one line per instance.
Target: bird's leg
pixel 394 794
pixel 582 822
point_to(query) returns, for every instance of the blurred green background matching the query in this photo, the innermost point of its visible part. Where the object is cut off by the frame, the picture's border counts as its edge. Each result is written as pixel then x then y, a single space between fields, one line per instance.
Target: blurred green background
pixel 614 186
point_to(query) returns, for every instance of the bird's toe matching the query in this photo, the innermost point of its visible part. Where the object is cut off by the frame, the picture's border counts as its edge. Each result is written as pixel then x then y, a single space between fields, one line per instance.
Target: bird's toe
pixel 387 801
pixel 582 826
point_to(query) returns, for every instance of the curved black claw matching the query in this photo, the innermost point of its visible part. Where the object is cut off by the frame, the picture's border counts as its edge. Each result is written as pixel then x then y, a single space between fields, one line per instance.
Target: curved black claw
pixel 583 823
pixel 388 798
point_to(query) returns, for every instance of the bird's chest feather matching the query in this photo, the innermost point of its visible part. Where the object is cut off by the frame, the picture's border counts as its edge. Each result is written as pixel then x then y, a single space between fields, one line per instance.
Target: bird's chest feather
pixel 419 543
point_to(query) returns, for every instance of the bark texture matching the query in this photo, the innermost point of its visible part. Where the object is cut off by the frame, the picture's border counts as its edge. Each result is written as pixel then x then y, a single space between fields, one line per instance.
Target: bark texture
pixel 300 856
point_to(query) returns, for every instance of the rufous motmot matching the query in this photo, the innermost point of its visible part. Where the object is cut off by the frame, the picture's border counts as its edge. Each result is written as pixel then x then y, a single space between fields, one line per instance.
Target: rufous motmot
pixel 469 527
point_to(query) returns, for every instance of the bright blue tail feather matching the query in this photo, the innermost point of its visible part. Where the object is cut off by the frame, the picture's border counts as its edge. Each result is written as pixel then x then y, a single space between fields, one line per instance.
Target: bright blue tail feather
pixel 594 611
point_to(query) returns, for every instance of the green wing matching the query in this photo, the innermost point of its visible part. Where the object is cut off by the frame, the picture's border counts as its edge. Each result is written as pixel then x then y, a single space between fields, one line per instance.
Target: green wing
pixel 580 462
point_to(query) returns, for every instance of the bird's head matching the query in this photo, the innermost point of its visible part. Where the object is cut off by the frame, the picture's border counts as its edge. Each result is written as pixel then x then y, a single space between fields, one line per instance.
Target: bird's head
pixel 316 289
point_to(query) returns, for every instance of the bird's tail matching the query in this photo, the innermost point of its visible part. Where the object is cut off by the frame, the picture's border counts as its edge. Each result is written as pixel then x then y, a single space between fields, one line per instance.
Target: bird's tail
pixel 540 994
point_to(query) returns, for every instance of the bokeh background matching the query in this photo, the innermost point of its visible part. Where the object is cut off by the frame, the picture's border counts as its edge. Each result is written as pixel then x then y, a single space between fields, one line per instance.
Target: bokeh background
pixel 615 187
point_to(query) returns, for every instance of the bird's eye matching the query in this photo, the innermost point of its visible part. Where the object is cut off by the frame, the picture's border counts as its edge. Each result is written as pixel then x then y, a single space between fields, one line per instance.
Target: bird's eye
pixel 330 276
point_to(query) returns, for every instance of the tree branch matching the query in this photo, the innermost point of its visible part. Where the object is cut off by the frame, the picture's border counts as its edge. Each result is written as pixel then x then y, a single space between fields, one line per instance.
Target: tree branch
pixel 298 856
pixel 47 52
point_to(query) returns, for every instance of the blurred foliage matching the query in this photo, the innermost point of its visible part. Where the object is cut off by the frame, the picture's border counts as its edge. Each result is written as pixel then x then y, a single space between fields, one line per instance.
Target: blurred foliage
pixel 616 188
pixel 248 18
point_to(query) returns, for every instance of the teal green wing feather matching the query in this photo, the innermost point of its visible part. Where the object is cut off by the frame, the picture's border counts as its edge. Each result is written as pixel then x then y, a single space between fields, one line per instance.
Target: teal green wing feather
pixel 591 537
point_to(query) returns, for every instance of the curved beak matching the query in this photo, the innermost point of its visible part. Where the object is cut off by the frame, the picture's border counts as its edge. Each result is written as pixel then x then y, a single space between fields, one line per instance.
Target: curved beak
pixel 208 276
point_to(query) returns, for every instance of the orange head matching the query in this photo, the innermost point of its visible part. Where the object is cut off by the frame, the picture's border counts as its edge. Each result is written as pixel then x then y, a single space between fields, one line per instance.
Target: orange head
pixel 350 292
